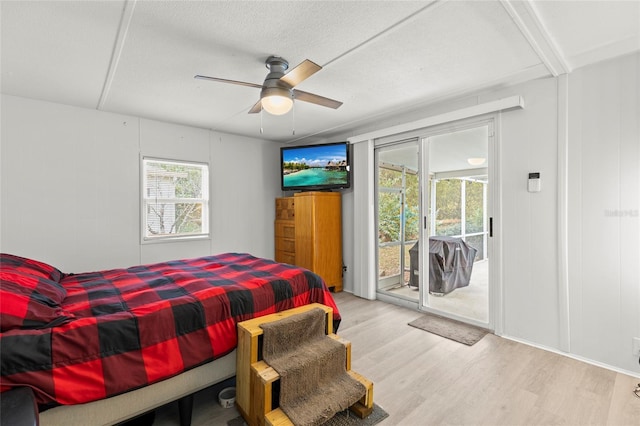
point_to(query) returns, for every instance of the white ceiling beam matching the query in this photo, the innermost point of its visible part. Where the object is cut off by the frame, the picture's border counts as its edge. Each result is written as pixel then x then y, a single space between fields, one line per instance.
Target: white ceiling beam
pixel 118 45
pixel 528 22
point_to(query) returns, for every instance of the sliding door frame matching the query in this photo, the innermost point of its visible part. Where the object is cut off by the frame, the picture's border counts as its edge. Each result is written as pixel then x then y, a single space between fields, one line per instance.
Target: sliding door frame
pixel 492 202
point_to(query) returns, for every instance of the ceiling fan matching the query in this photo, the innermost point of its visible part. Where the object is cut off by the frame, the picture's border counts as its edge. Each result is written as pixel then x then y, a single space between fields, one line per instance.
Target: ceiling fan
pixel 277 92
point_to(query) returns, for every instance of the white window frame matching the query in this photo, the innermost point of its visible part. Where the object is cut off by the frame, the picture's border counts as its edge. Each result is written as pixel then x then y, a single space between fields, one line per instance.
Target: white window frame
pixel 145 200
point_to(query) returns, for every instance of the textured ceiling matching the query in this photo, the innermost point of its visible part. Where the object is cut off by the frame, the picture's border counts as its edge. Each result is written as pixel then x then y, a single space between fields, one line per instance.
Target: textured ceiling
pixel 379 57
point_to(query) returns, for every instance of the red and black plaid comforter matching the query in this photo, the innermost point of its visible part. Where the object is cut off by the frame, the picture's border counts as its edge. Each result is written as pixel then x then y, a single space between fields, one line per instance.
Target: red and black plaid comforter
pixel 132 327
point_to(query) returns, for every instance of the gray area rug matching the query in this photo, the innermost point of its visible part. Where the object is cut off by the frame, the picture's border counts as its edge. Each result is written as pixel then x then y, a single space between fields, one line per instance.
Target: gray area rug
pixel 451 329
pixel 343 418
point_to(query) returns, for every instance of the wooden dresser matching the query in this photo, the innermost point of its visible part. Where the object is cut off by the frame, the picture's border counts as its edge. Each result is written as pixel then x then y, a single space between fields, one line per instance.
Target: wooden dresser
pixel 285 231
pixel 308 233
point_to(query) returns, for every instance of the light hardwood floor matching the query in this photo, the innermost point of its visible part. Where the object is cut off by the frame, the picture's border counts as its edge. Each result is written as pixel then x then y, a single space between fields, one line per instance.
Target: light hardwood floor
pixel 423 379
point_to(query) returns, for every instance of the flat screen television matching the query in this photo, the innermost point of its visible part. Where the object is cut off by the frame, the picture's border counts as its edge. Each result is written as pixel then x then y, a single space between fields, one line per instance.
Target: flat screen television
pixel 315 167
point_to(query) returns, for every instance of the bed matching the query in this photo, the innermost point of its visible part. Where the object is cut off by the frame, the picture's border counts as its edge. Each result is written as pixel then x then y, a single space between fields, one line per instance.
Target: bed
pixel 128 340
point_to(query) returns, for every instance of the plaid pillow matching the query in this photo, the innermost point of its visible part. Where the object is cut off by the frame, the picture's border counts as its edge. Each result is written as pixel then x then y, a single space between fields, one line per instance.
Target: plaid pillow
pixel 23 308
pixel 30 294
pixel 10 262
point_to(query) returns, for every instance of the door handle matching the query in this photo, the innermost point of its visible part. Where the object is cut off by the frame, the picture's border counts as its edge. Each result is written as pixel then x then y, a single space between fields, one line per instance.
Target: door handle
pixel 491 227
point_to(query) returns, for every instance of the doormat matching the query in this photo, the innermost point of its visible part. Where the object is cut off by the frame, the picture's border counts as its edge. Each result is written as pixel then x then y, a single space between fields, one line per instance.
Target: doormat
pixel 343 418
pixel 451 329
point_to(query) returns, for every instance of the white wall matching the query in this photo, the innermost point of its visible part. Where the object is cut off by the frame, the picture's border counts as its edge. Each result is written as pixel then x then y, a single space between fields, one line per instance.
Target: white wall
pixel 603 175
pixel 528 143
pixel 246 183
pixel 604 228
pixel 71 186
pixel 68 185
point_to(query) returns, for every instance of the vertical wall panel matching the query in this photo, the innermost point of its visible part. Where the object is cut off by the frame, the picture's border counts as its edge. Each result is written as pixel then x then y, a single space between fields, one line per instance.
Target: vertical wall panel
pixel 528 143
pixel 604 148
pixel 630 205
pixel 67 193
pixel 244 187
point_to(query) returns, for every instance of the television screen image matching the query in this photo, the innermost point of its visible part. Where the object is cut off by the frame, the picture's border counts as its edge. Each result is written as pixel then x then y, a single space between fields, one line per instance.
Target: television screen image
pixel 315 167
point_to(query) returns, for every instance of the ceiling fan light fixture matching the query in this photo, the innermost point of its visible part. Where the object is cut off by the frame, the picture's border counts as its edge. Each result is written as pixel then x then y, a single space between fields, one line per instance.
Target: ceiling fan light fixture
pixel 276 100
pixel 277 92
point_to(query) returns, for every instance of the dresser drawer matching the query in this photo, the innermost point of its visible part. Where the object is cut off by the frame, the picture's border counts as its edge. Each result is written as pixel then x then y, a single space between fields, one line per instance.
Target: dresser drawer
pixel 285 257
pixel 285 209
pixel 286 244
pixel 285 229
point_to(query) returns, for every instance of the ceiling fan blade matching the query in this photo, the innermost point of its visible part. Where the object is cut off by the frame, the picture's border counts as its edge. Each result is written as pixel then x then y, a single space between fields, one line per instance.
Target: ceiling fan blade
pixel 257 107
pixel 299 95
pixel 301 72
pixel 223 80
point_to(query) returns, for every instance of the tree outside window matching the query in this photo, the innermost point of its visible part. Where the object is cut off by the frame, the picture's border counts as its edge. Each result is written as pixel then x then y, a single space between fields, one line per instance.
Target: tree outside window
pixel 449 221
pixel 175 199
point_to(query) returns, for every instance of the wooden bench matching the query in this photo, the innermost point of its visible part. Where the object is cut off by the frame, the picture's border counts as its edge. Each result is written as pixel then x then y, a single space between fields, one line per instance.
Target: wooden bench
pixel 256 381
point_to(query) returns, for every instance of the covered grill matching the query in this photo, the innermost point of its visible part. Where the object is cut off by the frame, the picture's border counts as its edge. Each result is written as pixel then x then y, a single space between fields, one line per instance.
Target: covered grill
pixel 450 264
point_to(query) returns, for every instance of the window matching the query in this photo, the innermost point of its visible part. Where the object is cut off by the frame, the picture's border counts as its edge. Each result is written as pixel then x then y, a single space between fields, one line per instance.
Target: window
pixel 175 200
pixel 460 210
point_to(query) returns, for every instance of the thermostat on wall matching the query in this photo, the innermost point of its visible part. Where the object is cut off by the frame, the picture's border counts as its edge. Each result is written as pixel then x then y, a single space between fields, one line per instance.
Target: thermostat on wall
pixel 535 185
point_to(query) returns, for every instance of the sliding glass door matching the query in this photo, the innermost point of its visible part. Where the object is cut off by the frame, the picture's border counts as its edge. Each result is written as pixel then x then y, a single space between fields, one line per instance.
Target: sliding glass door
pixel 398 217
pixel 456 167
pixel 433 207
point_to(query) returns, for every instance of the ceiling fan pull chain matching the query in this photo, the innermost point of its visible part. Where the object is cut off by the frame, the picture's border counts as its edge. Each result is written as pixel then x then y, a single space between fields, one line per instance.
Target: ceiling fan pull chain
pixel 261 129
pixel 293 119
